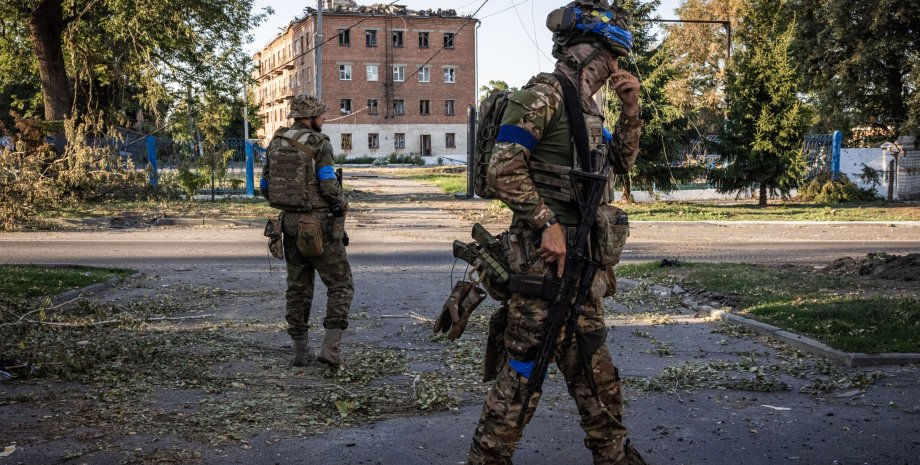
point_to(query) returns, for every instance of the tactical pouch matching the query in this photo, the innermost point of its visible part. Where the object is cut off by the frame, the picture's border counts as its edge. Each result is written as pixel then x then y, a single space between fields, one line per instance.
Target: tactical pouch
pixel 495 345
pixel 611 228
pixel 309 236
pixel 273 233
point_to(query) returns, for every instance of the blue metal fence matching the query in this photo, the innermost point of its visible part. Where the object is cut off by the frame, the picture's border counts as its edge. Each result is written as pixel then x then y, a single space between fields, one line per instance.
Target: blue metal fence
pixel 822 154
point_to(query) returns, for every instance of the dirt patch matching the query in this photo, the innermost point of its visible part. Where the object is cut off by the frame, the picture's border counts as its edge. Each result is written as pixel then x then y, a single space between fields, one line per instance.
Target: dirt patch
pixel 879 265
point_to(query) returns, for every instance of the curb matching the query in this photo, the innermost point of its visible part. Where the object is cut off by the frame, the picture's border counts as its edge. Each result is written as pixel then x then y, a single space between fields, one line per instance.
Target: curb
pixel 208 222
pixel 74 293
pixel 807 344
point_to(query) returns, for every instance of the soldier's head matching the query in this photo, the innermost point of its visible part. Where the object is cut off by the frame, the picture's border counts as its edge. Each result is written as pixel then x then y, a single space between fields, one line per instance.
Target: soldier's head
pixel 585 30
pixel 308 110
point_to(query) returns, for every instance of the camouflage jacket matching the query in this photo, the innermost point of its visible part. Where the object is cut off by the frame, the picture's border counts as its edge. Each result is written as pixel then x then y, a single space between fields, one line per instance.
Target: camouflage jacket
pixel 329 188
pixel 534 148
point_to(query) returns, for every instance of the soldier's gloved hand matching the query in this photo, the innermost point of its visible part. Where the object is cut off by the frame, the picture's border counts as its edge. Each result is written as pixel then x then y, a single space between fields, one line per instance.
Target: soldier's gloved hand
pixel 337 211
pixel 626 87
pixel 552 247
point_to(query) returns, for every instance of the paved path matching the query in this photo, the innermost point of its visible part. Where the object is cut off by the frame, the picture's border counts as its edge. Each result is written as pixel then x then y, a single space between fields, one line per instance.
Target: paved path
pixel 400 255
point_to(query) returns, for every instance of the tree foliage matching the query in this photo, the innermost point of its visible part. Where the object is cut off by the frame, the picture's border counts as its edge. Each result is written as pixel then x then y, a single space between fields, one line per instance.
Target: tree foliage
pixel 860 60
pixel 763 133
pixel 125 55
pixel 495 86
pixel 700 51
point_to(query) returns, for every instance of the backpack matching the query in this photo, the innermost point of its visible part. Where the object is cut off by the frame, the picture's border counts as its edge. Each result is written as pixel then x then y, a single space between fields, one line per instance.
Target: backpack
pixel 288 169
pixel 489 120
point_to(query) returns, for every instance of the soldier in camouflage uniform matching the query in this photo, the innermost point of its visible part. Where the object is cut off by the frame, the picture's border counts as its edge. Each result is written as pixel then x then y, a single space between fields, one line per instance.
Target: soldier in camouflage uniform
pixel 328 204
pixel 528 171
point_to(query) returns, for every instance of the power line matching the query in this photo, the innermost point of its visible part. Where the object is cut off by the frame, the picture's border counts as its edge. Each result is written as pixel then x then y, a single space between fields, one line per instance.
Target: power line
pixel 504 10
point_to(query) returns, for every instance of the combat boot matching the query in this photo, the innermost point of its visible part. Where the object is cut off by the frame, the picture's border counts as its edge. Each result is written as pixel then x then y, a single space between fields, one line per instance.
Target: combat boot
pixel 303 353
pixel 330 353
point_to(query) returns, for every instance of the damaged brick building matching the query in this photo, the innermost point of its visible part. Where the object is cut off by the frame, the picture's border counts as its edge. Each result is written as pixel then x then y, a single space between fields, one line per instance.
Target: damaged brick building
pixel 395 80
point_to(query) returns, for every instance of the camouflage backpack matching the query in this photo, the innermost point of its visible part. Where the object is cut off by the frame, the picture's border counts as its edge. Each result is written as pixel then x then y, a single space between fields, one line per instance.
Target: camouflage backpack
pixel 289 170
pixel 487 124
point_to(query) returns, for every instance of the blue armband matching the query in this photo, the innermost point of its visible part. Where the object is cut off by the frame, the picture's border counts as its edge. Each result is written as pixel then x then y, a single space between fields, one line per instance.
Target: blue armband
pixel 263 184
pixel 516 135
pixel 524 368
pixel 608 136
pixel 325 173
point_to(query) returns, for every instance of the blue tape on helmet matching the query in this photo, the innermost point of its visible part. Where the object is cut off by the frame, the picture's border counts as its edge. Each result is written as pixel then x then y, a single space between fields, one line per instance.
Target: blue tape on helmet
pixel 608 136
pixel 325 173
pixel 612 31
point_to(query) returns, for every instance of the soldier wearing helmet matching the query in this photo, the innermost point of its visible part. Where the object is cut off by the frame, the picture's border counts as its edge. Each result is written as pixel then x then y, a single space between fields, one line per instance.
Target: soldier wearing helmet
pixel 528 171
pixel 299 178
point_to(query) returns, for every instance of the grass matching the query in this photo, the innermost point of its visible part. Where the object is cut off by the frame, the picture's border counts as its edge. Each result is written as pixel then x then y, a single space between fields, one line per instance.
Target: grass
pixel 850 313
pixel 256 208
pixel 450 179
pixel 27 281
pixel 788 211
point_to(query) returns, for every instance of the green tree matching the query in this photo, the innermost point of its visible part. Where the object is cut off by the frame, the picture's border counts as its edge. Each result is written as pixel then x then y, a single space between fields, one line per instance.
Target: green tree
pixel 108 52
pixel 495 86
pixel 762 136
pixel 665 124
pixel 860 60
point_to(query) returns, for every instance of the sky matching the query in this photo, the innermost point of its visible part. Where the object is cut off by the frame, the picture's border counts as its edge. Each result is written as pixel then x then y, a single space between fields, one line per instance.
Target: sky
pixel 517 25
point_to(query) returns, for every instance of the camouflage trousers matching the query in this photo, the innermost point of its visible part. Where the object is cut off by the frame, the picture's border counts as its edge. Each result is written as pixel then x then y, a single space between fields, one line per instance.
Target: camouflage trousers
pixel 498 433
pixel 333 270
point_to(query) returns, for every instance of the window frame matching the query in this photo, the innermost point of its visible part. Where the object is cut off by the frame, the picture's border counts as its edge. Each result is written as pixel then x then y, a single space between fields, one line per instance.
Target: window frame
pixel 452 72
pixel 399 70
pixel 346 137
pixel 424 39
pixel 367 73
pixel 345 104
pixel 424 107
pixel 345 72
pixel 449 39
pixel 450 107
pixel 375 108
pixel 426 70
pixel 399 107
pixel 402 39
pixel 370 34
pixel 373 140
pixel 344 37
pixel 397 137
pixel 450 140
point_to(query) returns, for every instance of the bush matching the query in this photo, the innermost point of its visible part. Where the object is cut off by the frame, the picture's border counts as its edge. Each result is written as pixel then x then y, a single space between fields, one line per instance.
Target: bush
pixel 191 182
pixel 825 190
pixel 362 160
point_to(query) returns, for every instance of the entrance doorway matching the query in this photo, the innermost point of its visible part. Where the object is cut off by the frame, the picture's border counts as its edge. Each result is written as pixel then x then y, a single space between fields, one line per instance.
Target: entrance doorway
pixel 426 145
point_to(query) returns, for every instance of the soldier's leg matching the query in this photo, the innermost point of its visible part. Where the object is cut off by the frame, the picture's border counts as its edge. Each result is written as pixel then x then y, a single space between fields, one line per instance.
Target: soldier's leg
pixel 498 432
pixel 601 415
pixel 335 272
pixel 299 298
pixel 300 279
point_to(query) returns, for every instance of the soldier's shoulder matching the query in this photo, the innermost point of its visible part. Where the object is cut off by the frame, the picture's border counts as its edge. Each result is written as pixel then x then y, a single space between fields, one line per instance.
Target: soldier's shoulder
pixel 541 91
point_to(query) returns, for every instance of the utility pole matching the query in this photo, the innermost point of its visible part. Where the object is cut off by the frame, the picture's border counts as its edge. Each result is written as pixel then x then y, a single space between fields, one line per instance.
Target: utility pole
pixel 245 112
pixel 318 54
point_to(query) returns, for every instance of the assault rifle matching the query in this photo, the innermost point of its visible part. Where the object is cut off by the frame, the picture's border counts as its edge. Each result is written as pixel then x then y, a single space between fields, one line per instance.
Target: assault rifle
pixel 568 294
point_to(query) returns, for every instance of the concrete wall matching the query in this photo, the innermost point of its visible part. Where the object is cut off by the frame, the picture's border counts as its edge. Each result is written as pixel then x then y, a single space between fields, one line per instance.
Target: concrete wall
pixel 386 136
pixel 852 161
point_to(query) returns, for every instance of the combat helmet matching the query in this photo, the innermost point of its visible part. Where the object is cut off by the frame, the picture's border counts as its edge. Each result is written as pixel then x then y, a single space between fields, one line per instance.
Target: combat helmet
pixel 306 106
pixel 593 22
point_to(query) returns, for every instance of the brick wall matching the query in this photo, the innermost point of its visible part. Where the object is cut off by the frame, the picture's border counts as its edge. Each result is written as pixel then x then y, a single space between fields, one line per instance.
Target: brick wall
pixel 908 180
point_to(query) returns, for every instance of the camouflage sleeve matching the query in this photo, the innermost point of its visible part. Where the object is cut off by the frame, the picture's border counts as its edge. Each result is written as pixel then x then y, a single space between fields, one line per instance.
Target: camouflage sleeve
pixel 329 186
pixel 624 147
pixel 525 118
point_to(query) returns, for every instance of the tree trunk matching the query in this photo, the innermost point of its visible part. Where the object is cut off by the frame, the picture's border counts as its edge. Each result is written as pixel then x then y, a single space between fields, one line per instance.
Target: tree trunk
pixel 46 29
pixel 627 190
pixel 763 195
pixel 896 105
